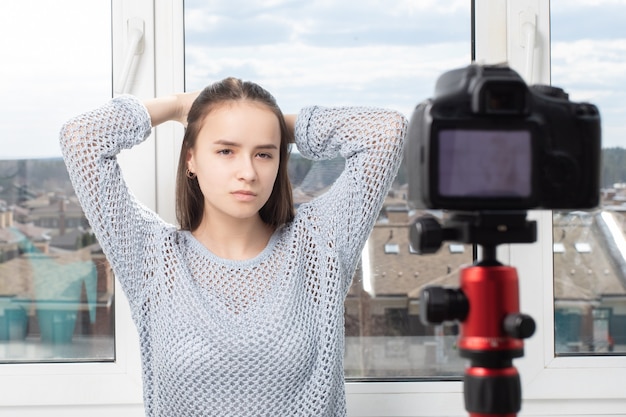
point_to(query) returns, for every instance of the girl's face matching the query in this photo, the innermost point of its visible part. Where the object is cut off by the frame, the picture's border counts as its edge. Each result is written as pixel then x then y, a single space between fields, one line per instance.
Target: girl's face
pixel 236 159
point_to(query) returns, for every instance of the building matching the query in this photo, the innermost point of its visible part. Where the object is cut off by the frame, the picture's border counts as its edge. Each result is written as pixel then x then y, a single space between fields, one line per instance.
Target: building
pixel 52 288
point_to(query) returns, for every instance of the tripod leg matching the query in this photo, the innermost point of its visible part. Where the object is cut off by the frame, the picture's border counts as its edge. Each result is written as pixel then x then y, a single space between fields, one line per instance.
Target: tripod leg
pixel 492 392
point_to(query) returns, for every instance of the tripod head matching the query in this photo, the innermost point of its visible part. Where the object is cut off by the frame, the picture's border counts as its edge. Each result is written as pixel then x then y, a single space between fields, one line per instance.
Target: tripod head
pixel 486 305
pixel 487 228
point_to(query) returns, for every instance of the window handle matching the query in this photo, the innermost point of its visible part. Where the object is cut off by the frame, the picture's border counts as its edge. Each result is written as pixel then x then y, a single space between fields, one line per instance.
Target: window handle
pixel 528 38
pixel 134 48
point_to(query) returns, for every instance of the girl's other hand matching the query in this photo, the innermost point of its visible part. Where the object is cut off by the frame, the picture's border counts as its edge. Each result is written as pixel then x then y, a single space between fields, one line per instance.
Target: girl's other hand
pixel 174 107
pixel 185 100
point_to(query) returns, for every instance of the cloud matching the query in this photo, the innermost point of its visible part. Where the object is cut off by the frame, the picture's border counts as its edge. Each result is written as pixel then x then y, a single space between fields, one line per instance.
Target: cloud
pixel 301 74
pixel 327 23
pixel 350 52
pixel 216 29
pixel 587 19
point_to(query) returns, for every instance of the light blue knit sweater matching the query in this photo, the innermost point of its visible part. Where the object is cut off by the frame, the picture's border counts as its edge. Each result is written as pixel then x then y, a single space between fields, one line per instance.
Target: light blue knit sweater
pixel 260 337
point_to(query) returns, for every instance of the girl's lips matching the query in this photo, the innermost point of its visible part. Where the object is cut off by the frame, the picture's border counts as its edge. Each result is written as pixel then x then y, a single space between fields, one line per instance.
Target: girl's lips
pixel 243 195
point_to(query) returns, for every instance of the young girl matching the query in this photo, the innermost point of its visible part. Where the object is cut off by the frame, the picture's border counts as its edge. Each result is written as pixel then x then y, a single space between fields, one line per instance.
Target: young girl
pixel 239 309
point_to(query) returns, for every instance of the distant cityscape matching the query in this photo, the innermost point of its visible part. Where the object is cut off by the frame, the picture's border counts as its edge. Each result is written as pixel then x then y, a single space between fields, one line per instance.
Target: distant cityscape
pixel 48 255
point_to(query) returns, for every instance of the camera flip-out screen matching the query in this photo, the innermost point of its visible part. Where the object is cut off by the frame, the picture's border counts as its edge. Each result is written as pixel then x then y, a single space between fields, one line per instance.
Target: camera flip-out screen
pixel 485 164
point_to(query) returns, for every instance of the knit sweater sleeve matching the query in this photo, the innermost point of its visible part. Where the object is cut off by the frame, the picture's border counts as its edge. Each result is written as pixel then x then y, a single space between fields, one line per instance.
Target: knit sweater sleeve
pixel 125 228
pixel 371 140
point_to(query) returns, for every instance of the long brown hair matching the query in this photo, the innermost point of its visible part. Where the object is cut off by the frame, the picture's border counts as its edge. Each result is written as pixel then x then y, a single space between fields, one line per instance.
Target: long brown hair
pixel 278 209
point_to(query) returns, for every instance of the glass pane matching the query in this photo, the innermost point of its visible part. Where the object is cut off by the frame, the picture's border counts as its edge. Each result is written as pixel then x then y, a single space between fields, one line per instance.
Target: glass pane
pixel 589 62
pixel 373 53
pixel 56 287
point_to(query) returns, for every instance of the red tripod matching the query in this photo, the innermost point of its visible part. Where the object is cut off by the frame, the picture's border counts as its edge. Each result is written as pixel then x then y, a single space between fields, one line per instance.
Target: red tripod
pixel 486 305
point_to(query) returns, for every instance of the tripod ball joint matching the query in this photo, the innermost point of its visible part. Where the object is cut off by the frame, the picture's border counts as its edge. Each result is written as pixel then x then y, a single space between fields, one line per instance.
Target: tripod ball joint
pixel 439 304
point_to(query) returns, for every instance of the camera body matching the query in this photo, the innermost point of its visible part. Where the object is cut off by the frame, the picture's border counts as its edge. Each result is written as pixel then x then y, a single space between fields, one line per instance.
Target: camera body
pixel 487 141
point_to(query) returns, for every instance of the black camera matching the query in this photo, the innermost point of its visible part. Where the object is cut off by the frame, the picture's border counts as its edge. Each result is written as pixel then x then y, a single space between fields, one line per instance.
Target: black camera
pixel 487 141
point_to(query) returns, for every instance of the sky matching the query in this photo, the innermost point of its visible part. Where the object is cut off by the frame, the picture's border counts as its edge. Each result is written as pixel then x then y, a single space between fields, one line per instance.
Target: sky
pixel 56 56
pixel 366 52
pixel 56 63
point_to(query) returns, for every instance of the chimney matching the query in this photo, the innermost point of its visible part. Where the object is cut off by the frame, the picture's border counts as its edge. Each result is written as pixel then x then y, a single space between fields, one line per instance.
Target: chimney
pixel 398 214
pixel 62 226
pixel 6 217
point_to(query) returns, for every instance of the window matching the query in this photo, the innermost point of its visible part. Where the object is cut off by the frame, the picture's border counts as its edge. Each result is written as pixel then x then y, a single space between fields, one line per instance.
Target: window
pixel 590 276
pixel 386 54
pixel 56 286
pixel 65 333
pixel 588 382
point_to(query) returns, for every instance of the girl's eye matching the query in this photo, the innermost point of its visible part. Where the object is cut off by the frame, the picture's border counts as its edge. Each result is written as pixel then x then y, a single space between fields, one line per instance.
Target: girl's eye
pixel 265 155
pixel 224 152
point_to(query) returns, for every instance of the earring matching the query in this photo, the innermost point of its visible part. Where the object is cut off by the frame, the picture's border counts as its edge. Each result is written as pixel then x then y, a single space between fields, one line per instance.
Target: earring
pixel 190 175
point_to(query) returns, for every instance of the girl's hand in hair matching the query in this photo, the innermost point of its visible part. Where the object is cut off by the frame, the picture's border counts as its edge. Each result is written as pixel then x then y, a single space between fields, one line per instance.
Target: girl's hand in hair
pixel 174 107
pixel 185 100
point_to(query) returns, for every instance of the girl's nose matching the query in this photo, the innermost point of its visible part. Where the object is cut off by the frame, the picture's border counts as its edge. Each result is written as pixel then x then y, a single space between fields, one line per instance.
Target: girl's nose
pixel 247 172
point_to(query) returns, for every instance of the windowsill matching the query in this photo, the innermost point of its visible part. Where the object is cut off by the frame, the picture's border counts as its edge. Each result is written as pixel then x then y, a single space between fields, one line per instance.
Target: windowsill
pixel 81 349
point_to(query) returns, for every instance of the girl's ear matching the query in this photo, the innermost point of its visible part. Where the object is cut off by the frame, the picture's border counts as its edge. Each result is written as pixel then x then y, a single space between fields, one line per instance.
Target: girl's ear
pixel 190 161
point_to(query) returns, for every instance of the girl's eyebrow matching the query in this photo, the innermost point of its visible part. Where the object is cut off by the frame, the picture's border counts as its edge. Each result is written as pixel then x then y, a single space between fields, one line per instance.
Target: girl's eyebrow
pixel 225 142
